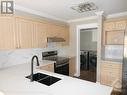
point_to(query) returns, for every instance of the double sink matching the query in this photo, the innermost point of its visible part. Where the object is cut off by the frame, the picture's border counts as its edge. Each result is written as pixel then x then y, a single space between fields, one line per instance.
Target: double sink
pixel 44 79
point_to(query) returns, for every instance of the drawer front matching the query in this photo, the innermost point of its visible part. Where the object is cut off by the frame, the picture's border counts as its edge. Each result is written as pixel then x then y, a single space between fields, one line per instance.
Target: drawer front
pixel 111 65
pixel 49 67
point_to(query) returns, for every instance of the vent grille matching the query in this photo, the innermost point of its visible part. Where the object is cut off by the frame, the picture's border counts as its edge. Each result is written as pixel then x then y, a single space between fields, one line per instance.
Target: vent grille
pixel 85 7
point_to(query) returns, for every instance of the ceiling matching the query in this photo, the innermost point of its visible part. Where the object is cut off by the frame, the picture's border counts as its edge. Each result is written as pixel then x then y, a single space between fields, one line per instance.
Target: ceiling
pixel 61 8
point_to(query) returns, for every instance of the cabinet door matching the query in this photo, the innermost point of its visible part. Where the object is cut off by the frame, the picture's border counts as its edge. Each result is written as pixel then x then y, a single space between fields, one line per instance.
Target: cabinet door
pixel 52 30
pixel 111 74
pixel 49 67
pixel 72 67
pixel 24 29
pixel 65 34
pixel 7 35
pixel 39 35
pixel 59 31
pixel 105 78
pixel 109 26
pixel 114 37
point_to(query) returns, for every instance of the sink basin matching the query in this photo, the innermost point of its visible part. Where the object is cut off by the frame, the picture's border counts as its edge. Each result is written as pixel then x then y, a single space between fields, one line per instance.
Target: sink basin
pixel 44 79
pixel 37 76
pixel 49 80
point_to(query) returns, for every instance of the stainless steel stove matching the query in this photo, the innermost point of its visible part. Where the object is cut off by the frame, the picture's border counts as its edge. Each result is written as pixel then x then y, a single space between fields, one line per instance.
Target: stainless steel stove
pixel 61 65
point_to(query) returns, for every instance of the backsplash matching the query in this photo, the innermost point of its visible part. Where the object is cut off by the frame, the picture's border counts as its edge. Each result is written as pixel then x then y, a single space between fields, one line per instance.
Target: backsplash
pixel 19 56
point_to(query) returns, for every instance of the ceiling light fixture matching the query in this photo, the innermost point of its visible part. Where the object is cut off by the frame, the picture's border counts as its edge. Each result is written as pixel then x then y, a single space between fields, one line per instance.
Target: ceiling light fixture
pixel 84 7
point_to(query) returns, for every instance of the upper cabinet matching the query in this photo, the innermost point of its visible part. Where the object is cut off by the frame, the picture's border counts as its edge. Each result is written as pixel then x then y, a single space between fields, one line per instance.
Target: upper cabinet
pixel 39 38
pixel 7 33
pixel 115 25
pixel 113 33
pixel 59 31
pixel 21 32
pixel 65 34
pixel 24 30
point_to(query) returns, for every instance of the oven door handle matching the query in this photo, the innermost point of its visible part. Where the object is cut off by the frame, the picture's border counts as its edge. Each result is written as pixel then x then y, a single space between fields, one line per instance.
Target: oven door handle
pixel 57 66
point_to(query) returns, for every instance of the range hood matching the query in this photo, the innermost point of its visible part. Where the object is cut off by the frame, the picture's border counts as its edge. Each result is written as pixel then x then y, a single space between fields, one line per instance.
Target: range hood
pixel 55 39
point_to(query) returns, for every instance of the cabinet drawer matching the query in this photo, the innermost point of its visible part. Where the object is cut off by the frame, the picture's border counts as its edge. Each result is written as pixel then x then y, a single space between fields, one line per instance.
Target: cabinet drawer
pixel 49 67
pixel 107 64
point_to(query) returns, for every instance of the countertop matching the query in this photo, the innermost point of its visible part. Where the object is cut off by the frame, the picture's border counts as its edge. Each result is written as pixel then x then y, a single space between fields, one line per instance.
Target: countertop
pixel 13 82
pixel 117 61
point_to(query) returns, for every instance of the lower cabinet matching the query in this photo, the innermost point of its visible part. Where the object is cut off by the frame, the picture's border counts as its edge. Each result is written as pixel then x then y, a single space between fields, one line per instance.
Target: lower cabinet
pixel 49 67
pixel 111 74
pixel 72 66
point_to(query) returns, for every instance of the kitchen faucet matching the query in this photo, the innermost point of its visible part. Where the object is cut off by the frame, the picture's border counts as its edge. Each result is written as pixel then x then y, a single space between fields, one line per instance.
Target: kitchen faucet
pixel 31 79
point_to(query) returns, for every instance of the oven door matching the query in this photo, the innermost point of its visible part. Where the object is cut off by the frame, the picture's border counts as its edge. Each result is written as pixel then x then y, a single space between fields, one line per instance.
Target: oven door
pixel 62 69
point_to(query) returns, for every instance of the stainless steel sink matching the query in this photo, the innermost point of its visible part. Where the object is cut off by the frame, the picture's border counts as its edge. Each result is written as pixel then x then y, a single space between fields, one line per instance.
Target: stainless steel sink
pixel 44 79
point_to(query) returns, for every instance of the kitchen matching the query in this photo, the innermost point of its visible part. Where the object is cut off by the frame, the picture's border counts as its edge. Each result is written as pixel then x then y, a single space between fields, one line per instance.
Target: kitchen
pixel 31 32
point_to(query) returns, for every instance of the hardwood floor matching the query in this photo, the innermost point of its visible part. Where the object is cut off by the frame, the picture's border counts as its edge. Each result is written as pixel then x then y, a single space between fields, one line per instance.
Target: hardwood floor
pixel 89 75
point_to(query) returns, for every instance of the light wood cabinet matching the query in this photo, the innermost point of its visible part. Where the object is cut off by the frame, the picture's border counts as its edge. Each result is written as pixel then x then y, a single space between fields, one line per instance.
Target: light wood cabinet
pixel 22 32
pixel 72 66
pixel 7 33
pixel 24 29
pixel 64 33
pixel 52 30
pixel 120 25
pixel 115 25
pixel 111 74
pixel 114 37
pixel 58 31
pixel 113 33
pixel 49 67
pixel 109 26
pixel 39 37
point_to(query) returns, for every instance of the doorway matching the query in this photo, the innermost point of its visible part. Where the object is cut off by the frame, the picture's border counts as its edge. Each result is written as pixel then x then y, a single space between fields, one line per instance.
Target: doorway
pixel 88 54
pixel 78 52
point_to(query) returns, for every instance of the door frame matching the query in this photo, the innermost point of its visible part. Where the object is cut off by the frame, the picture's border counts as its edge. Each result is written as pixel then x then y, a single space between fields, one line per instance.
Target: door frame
pixel 78 28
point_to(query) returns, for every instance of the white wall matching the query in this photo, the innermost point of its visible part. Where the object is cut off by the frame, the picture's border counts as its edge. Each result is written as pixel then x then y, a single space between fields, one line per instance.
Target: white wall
pixel 73 33
pixel 87 41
